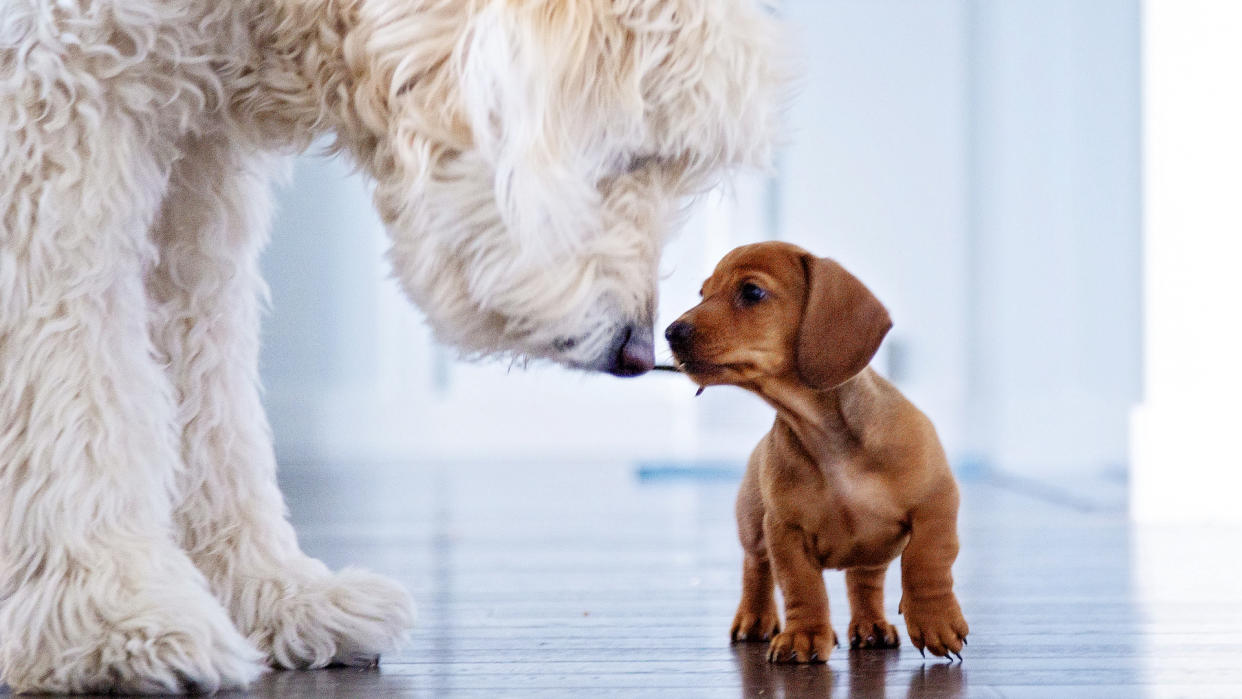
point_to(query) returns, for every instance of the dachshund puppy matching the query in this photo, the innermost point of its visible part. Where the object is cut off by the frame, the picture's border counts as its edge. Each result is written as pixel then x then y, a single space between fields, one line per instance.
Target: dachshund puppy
pixel 851 476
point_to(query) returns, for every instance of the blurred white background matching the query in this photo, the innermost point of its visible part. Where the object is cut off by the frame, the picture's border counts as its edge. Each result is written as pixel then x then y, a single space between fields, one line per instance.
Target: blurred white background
pixel 977 163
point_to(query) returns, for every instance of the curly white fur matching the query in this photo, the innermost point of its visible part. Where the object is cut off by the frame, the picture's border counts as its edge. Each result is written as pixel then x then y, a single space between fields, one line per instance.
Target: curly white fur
pixel 528 157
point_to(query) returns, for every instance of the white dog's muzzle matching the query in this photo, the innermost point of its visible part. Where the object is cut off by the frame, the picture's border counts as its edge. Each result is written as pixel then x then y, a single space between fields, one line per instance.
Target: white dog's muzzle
pixel 631 352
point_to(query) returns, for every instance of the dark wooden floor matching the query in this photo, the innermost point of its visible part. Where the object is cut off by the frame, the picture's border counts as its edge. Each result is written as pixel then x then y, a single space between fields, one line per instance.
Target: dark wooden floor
pixel 590 580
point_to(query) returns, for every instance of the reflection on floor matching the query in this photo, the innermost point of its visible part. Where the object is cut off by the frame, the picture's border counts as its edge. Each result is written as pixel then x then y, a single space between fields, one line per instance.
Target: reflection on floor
pixel 567 579
pixel 600 579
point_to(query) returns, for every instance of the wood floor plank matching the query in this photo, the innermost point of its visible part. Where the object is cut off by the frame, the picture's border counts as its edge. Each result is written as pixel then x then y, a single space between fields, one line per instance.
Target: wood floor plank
pixel 583 580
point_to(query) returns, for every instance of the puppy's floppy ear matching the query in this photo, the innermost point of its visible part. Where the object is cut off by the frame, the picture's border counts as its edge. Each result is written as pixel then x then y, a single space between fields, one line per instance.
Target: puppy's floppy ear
pixel 843 324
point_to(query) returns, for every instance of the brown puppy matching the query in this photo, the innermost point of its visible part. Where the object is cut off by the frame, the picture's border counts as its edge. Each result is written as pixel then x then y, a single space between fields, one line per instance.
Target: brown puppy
pixel 850 476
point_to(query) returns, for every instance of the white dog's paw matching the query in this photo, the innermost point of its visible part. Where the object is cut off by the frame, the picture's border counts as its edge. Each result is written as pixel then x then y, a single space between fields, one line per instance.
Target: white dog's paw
pixel 98 633
pixel 346 618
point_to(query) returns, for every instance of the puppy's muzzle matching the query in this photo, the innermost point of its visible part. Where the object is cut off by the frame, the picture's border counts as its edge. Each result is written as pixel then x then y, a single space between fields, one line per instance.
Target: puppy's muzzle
pixel 632 351
pixel 680 335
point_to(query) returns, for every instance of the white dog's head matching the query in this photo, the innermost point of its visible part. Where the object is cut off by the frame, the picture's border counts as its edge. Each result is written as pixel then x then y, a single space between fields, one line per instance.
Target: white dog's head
pixel 531 157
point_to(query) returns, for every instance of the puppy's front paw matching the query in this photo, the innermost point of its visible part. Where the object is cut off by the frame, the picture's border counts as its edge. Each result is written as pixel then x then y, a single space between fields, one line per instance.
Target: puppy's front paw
pixel 872 633
pixel 936 624
pixel 802 645
pixel 755 625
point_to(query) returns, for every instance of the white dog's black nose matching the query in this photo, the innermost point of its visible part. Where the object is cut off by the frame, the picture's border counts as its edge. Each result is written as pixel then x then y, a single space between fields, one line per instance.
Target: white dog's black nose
pixel 635 352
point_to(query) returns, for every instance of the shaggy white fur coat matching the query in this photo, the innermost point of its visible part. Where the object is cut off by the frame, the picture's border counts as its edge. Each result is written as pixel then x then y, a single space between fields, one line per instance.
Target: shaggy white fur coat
pixel 527 156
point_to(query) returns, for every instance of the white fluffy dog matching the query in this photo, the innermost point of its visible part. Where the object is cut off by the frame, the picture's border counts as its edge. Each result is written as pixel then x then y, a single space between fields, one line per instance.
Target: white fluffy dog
pixel 527 158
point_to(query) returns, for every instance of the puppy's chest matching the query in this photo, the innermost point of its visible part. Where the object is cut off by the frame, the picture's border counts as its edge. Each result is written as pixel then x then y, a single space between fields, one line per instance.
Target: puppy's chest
pixel 847 515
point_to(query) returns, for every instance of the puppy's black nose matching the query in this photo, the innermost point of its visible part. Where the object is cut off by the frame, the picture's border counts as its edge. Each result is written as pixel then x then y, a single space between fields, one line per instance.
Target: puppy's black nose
pixel 678 334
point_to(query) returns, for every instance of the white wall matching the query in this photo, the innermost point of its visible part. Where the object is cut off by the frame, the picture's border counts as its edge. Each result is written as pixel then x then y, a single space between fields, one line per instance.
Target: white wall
pixel 1055 232
pixel 974 162
pixel 977 163
pixel 875 177
pixel 1186 461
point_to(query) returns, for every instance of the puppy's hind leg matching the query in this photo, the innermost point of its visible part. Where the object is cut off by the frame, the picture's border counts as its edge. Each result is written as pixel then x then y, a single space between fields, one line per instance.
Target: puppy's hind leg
pixel 869 628
pixel 232 520
pixel 756 618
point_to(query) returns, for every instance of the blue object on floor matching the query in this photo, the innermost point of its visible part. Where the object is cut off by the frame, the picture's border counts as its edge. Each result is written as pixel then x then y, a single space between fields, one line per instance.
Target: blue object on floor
pixel 690 470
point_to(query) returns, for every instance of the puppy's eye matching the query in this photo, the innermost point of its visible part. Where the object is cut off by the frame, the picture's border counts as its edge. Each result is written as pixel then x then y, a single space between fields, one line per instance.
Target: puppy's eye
pixel 752 293
pixel 564 344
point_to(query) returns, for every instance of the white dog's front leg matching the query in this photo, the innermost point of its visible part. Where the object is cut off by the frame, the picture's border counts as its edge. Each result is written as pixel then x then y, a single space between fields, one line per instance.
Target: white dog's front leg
pixel 232 520
pixel 94 593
